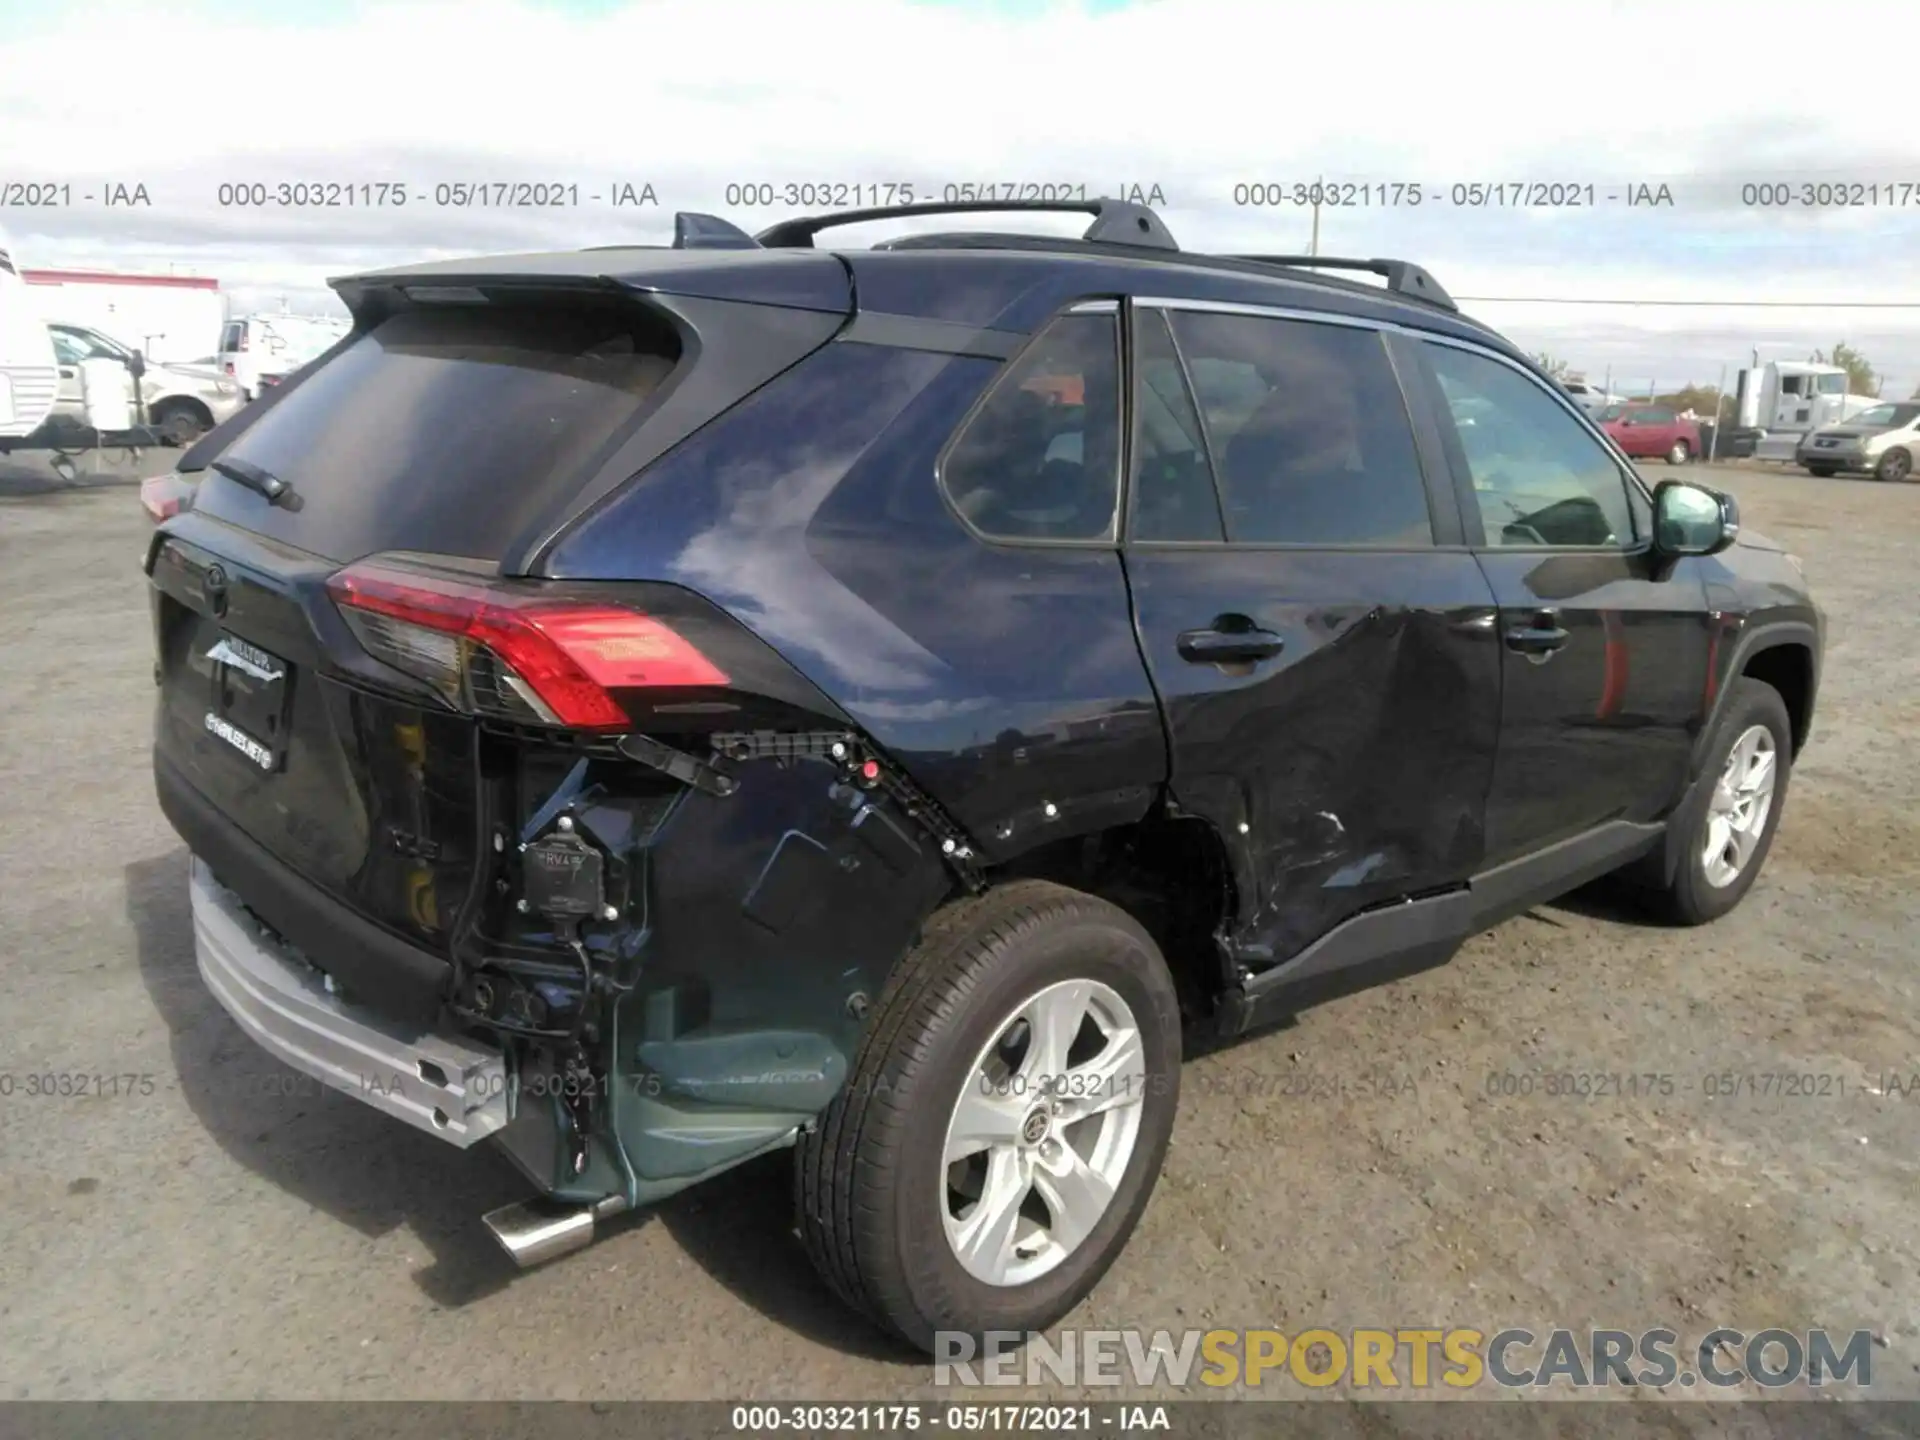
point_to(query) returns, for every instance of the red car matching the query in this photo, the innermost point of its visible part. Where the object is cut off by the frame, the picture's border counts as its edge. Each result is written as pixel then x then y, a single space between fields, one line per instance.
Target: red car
pixel 1651 430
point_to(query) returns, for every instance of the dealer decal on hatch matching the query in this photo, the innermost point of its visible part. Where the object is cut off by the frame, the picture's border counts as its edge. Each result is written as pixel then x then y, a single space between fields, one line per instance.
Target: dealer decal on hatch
pixel 245 744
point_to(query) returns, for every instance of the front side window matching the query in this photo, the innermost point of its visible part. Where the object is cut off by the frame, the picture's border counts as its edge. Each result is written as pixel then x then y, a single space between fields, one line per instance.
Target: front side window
pixel 1538 476
pixel 1307 431
pixel 1832 384
pixel 1040 458
pixel 230 339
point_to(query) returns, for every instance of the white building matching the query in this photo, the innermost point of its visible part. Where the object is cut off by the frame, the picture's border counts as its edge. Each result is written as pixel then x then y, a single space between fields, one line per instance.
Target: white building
pixel 170 317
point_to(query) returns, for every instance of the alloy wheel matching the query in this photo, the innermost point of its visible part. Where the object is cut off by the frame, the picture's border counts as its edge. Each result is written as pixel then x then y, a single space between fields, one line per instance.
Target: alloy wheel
pixel 1742 800
pixel 1042 1131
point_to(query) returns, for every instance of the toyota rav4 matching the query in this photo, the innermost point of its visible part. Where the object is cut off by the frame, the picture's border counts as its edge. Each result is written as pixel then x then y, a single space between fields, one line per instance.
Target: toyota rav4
pixel 646 708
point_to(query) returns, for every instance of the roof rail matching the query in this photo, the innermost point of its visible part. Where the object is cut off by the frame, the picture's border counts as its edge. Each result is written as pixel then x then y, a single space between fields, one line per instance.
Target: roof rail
pixel 1115 222
pixel 1403 277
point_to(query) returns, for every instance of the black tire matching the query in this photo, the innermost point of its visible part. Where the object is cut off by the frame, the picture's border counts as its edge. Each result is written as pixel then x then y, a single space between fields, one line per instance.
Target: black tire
pixel 181 422
pixel 1824 472
pixel 1690 898
pixel 869 1186
pixel 1680 453
pixel 1895 466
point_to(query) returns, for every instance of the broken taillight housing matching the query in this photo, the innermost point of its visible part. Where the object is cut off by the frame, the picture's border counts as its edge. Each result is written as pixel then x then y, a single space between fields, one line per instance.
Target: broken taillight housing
pixel 510 650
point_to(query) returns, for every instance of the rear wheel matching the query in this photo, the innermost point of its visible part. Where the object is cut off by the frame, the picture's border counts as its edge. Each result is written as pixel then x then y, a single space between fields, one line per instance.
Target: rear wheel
pixel 1729 819
pixel 181 422
pixel 1680 453
pixel 1896 464
pixel 1005 1121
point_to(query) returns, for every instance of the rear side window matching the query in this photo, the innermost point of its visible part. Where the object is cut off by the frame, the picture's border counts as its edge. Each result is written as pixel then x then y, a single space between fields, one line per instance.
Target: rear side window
pixel 1040 458
pixel 452 429
pixel 1307 430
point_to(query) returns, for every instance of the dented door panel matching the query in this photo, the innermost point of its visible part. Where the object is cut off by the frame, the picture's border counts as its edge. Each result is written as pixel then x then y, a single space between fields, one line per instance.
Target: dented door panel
pixel 1352 767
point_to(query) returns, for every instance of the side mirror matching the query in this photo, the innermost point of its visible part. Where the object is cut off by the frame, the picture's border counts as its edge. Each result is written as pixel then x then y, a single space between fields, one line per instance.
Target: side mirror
pixel 138 365
pixel 1690 519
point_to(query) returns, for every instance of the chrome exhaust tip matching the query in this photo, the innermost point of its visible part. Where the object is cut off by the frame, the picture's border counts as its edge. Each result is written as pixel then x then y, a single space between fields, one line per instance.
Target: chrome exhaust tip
pixel 535 1231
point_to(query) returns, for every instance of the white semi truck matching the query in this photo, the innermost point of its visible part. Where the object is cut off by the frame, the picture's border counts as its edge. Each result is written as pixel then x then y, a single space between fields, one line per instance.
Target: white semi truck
pixel 1780 402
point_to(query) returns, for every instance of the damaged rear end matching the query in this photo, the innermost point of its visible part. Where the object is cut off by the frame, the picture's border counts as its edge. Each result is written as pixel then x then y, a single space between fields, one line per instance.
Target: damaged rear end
pixel 584 867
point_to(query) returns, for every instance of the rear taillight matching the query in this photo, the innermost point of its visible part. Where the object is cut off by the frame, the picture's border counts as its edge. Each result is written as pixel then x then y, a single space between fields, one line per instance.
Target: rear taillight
pixel 164 496
pixel 514 652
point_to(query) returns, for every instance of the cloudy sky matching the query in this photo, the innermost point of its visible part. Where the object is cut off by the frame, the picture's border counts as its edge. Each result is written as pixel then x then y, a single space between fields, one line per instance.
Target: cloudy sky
pixel 1199 98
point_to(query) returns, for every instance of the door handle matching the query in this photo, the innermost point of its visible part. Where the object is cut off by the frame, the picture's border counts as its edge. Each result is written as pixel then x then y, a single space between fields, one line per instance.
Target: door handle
pixel 1229 647
pixel 1540 637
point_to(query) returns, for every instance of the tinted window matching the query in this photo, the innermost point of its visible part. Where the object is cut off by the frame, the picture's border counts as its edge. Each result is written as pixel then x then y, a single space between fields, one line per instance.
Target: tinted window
pixel 1653 417
pixel 1307 430
pixel 450 429
pixel 230 338
pixel 1539 477
pixel 1040 459
pixel 1173 490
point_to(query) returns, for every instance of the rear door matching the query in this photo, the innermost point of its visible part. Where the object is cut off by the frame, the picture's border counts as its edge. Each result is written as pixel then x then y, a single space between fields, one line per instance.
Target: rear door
pixel 1604 647
pixel 1321 642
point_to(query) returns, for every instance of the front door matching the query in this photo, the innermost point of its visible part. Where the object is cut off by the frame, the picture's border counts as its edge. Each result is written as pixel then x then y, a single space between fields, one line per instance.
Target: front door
pixel 1605 647
pixel 1328 672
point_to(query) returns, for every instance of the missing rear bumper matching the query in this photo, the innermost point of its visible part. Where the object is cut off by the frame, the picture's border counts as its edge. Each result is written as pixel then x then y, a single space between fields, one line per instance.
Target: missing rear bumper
pixel 451 1088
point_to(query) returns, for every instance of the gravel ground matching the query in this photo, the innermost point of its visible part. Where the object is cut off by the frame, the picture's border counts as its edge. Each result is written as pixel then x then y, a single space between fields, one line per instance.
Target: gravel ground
pixel 224 1232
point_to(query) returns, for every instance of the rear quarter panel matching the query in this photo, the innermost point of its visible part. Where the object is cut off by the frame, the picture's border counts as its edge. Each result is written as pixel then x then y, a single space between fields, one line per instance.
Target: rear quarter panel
pixel 1005 679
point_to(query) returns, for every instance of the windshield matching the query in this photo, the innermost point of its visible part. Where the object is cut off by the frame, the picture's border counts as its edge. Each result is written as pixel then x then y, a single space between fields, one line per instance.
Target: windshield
pixel 1889 416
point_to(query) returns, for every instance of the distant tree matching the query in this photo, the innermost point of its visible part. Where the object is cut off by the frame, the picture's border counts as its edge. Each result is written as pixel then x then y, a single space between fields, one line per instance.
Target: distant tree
pixel 1556 369
pixel 1861 376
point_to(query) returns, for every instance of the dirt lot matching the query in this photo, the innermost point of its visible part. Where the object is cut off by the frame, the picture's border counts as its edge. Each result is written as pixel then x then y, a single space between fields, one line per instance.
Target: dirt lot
pixel 206 1233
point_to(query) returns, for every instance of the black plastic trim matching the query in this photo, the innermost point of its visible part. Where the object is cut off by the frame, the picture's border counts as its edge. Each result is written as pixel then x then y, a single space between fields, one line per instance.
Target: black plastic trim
pixel 1404 937
pixel 938 337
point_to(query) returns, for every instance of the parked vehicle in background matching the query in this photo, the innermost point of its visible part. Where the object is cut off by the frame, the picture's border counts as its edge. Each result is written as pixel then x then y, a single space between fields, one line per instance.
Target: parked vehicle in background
pixel 29 372
pixel 1652 432
pixel 755 696
pixel 182 402
pixel 258 350
pixel 1779 404
pixel 1590 398
pixel 1882 442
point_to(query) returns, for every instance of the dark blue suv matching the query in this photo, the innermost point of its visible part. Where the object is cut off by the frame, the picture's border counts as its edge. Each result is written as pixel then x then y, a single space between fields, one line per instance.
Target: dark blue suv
pixel 650 707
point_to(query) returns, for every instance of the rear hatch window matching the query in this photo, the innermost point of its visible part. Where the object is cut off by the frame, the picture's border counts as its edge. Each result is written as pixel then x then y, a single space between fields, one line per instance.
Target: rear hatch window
pixel 449 429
